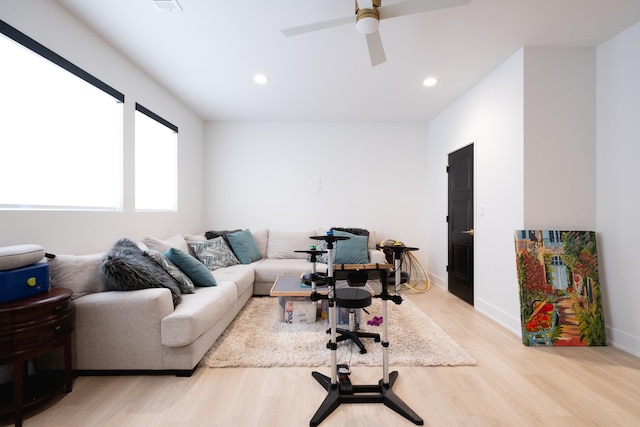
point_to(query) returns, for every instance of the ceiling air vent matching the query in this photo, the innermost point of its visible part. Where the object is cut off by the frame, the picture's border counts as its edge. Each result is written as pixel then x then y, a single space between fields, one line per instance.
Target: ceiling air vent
pixel 167 5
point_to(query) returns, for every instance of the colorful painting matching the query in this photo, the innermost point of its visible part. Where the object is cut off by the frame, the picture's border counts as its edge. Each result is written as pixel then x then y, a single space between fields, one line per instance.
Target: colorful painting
pixel 560 297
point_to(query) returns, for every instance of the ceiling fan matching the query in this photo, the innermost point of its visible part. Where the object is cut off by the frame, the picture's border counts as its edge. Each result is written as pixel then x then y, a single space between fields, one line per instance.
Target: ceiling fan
pixel 368 15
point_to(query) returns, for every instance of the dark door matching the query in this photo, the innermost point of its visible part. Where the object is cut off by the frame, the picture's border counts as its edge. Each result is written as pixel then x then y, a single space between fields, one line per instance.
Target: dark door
pixel 460 223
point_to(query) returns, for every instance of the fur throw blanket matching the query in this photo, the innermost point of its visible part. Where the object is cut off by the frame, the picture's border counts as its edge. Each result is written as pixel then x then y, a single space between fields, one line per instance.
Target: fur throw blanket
pixel 126 268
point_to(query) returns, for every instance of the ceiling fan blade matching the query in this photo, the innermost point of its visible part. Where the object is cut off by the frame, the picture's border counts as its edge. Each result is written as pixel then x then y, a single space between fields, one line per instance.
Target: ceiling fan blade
pixel 376 50
pixel 302 29
pixel 410 7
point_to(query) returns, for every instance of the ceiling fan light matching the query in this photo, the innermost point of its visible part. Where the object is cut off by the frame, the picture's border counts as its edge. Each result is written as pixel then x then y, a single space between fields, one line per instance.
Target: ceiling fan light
pixel 367 25
pixel 368 21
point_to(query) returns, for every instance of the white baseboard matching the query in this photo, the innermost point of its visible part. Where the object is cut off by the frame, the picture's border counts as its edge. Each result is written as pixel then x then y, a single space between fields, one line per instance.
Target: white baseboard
pixel 623 341
pixel 501 317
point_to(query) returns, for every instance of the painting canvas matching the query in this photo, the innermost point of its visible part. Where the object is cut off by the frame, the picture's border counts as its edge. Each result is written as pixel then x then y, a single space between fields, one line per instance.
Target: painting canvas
pixel 560 295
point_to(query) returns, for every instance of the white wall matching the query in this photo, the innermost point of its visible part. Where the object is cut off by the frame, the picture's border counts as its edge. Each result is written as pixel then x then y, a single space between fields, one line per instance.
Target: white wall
pixel 560 140
pixel 491 117
pixel 541 163
pixel 618 175
pixel 531 120
pixel 85 232
pixel 266 175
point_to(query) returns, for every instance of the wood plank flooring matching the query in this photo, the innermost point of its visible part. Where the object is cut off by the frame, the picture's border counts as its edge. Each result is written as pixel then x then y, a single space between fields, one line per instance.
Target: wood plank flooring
pixel 512 385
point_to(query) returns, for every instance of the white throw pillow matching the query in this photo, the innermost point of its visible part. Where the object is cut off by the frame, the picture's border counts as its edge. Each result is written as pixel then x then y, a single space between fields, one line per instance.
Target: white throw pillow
pixel 176 241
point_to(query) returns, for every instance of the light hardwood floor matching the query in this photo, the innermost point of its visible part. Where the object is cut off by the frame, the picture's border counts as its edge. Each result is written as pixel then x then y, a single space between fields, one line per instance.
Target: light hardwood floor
pixel 512 385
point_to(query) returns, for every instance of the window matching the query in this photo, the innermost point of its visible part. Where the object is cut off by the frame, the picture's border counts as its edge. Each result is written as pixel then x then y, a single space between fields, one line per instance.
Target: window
pixel 61 143
pixel 156 162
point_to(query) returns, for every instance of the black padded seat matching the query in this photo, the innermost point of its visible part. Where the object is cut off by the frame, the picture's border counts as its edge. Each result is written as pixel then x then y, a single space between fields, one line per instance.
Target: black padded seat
pixel 353 297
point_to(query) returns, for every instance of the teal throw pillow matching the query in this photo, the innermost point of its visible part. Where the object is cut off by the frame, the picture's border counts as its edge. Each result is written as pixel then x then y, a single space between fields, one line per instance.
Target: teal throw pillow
pixel 244 246
pixel 194 269
pixel 352 251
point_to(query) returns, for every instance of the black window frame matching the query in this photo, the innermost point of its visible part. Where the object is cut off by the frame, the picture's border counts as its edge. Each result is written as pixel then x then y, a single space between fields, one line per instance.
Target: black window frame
pixel 26 41
pixel 156 117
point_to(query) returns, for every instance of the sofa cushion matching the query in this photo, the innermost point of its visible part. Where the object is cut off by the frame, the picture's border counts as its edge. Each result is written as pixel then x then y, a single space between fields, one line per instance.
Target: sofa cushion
pixel 241 274
pixel 80 273
pixel 268 270
pixel 127 268
pixel 377 257
pixel 244 246
pixel 283 244
pixel 198 313
pixel 372 241
pixel 262 239
pixel 214 253
pixel 186 285
pixel 351 251
pixel 197 272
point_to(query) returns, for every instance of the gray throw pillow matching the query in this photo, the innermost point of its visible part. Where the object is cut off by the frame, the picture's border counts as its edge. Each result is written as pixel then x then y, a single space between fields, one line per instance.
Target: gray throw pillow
pixel 214 253
pixel 186 285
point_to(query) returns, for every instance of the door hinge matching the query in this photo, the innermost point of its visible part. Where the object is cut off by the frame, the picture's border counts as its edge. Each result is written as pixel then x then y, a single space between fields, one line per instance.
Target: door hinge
pixel 447 219
pixel 447 268
pixel 447 168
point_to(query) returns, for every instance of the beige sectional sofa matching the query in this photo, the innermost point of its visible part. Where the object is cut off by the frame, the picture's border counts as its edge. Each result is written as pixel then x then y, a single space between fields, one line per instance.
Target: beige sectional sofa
pixel 140 330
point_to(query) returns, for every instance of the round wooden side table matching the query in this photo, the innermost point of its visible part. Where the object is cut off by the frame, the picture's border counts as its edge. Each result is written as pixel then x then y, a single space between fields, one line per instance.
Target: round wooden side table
pixel 29 328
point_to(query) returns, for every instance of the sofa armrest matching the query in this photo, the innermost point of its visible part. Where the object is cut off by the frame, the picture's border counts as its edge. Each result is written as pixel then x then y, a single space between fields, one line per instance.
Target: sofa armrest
pixel 119 329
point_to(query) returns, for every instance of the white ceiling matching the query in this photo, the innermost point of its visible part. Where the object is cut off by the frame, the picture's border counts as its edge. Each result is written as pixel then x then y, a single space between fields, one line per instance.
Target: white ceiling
pixel 207 54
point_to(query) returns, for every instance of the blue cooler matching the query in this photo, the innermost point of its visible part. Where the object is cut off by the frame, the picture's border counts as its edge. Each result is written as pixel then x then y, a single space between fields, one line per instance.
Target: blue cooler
pixel 24 281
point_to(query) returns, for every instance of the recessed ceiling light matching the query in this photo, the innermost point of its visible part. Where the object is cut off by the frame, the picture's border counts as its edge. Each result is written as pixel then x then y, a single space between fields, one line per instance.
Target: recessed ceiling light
pixel 430 81
pixel 261 79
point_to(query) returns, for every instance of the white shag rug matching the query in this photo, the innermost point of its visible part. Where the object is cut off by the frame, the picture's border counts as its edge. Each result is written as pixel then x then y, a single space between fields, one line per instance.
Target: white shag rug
pixel 257 338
